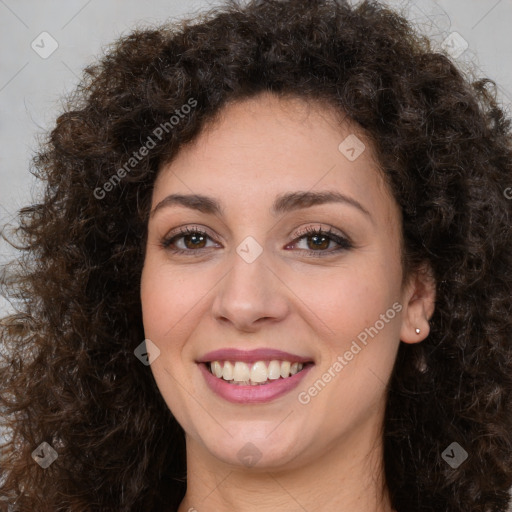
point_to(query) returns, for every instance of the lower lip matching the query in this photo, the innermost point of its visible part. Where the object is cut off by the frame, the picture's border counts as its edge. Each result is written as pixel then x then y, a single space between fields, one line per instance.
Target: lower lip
pixel 252 394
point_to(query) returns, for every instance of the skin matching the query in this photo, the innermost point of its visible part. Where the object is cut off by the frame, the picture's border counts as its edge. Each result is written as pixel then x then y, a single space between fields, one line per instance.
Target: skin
pixel 326 454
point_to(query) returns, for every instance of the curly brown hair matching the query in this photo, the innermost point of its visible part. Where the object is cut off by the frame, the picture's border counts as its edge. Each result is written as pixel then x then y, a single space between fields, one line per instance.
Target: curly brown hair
pixel 68 374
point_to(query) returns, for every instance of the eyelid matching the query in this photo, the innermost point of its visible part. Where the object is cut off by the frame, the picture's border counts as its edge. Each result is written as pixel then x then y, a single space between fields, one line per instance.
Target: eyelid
pixel 312 229
pixel 189 228
pixel 182 231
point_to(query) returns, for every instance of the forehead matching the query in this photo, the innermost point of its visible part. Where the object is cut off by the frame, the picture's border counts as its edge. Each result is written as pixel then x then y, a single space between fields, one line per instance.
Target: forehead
pixel 264 146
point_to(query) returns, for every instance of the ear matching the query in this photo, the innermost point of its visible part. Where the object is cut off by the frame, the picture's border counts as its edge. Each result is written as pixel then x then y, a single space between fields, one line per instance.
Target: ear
pixel 418 299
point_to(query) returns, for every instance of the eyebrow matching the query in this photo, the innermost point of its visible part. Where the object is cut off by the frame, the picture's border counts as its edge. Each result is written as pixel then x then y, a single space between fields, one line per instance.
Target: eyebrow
pixel 283 203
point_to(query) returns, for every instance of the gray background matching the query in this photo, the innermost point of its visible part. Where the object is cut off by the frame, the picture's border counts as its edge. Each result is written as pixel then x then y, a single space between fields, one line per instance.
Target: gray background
pixel 32 87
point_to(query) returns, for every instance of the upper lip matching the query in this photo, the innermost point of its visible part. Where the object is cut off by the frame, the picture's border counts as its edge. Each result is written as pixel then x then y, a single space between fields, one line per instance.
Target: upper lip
pixel 251 356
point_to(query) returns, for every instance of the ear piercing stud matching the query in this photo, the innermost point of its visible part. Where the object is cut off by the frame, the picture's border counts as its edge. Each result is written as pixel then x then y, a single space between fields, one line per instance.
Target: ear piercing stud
pixel 418 330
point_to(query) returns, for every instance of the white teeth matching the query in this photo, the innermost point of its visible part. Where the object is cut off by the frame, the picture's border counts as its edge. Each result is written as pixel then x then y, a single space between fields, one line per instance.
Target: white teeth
pixel 285 369
pixel 227 372
pixel 241 372
pixel 217 369
pixel 274 370
pixel 259 372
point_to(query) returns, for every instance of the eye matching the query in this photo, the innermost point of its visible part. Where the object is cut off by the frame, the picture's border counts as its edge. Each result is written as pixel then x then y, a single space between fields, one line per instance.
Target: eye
pixel 187 240
pixel 319 241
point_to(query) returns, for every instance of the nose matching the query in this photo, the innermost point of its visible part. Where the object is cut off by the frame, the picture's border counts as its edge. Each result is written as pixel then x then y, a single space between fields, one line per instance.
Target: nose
pixel 250 295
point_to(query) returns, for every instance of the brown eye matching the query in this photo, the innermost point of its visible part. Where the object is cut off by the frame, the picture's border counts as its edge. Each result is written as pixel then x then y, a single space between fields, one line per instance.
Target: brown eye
pixel 318 242
pixel 194 241
pixel 187 240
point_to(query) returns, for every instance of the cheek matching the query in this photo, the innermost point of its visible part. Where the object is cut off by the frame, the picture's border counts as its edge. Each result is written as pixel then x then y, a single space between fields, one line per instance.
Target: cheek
pixel 362 311
pixel 171 304
pixel 169 300
pixel 350 299
pixel 359 346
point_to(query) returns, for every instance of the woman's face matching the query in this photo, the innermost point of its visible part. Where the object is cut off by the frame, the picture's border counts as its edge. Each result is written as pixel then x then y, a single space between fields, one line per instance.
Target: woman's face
pixel 252 276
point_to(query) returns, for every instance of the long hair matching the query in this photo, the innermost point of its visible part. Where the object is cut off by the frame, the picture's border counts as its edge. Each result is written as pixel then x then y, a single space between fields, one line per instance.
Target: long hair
pixel 68 374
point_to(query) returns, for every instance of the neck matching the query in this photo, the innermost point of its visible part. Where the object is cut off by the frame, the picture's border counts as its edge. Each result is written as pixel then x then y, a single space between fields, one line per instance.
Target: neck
pixel 347 477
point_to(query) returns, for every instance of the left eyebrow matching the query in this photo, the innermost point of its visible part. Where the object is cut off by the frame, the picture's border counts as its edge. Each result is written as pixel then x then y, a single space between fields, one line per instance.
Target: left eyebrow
pixel 296 200
pixel 283 203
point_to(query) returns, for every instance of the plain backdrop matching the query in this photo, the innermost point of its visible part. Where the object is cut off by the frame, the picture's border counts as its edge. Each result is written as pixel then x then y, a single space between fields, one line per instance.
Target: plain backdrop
pixel 46 44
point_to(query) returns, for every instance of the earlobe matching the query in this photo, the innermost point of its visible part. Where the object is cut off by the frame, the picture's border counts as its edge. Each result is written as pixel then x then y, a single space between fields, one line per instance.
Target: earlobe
pixel 419 304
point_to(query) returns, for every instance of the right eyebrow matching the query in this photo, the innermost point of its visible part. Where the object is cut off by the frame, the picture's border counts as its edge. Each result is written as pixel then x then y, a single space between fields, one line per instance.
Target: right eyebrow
pixel 198 202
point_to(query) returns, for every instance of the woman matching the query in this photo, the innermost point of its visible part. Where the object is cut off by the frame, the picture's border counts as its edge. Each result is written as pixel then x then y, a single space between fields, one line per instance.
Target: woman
pixel 271 270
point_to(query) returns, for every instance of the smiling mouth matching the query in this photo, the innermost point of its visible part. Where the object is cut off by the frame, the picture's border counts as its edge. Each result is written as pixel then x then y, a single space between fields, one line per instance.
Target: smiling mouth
pixel 258 373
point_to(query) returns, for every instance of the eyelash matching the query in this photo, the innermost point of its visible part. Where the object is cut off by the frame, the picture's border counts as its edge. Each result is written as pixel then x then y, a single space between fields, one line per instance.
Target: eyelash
pixel 343 242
